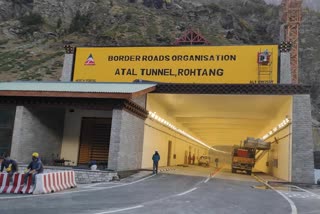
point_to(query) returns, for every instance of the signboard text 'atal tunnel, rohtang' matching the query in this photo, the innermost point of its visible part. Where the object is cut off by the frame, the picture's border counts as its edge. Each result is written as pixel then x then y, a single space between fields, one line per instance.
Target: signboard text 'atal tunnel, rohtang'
pixel 206 64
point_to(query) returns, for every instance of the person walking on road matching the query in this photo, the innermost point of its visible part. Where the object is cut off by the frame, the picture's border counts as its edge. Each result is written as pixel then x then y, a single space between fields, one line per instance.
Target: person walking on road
pixel 10 165
pixel 34 168
pixel 155 158
pixel 217 162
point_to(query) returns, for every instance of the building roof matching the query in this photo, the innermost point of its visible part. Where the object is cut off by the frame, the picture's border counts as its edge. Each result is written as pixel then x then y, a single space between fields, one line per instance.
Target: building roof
pixel 76 89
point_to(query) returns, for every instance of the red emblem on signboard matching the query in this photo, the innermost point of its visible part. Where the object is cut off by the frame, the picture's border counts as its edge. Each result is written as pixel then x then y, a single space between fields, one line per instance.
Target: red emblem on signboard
pixel 90 60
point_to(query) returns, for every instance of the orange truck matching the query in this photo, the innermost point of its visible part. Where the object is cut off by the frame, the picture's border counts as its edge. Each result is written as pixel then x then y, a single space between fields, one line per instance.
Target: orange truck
pixel 243 159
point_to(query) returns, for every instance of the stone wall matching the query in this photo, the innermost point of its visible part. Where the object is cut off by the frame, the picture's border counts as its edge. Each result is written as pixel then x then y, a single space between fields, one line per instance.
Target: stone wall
pixel 37 130
pixel 126 141
pixel 66 75
pixel 141 101
pixel 87 177
pixel 285 68
pixel 82 176
pixel 302 141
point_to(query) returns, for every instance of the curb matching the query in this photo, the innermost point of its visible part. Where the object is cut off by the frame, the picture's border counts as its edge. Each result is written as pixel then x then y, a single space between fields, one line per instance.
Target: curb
pixel 167 169
pixel 285 182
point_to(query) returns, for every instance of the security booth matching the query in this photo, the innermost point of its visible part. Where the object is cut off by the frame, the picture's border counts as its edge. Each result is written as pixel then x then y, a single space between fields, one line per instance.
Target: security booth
pixel 77 123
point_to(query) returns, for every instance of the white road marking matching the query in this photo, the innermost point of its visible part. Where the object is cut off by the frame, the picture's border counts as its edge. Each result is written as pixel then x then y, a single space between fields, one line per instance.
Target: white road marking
pixel 186 192
pixel 207 180
pixel 313 194
pixel 77 191
pixel 292 205
pixel 120 210
pixel 315 211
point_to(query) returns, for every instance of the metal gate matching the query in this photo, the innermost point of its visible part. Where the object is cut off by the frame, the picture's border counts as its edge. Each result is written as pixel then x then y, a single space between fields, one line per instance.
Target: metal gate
pixel 94 140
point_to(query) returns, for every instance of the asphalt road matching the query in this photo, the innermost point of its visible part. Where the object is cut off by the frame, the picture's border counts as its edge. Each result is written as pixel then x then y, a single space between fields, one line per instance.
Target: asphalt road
pixel 184 190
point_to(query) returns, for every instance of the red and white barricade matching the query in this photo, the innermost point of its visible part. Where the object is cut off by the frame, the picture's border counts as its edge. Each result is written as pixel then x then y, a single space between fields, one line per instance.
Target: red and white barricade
pixel 17 186
pixel 4 181
pixel 54 182
pixel 45 183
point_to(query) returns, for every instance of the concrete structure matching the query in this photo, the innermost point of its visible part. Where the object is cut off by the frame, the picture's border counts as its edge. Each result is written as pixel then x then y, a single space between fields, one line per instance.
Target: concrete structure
pixel 67 68
pixel 302 148
pixel 285 75
pixel 49 119
pixel 37 129
pixel 126 141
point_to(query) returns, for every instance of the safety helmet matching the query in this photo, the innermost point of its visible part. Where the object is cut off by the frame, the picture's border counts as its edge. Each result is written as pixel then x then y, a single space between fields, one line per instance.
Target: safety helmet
pixel 9 168
pixel 35 154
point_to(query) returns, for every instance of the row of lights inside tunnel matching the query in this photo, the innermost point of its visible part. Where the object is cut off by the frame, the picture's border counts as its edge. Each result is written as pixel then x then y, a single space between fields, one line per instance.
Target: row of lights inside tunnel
pixel 154 116
pixel 282 125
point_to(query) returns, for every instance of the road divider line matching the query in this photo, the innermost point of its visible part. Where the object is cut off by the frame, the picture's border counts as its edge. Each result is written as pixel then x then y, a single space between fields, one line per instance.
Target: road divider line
pixel 207 179
pixel 213 174
pixel 121 210
pixel 186 192
pixel 292 205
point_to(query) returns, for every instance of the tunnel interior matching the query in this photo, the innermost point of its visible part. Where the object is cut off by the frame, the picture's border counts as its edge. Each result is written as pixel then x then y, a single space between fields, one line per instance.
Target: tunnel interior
pixel 223 121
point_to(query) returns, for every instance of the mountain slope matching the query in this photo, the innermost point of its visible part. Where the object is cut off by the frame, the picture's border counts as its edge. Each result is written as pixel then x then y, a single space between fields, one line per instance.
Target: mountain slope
pixel 32 49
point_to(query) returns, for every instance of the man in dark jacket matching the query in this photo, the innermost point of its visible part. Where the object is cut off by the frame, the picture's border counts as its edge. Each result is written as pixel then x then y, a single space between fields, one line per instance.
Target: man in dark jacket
pixel 155 158
pixel 10 165
pixel 34 168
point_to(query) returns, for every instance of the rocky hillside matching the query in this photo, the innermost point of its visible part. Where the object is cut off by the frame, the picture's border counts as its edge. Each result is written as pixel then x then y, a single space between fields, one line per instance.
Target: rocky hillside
pixel 33 32
pixel 309 52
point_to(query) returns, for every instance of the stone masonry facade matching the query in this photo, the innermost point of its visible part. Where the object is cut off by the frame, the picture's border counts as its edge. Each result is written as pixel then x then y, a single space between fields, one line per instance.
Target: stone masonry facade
pixel 37 130
pixel 285 68
pixel 126 141
pixel 302 141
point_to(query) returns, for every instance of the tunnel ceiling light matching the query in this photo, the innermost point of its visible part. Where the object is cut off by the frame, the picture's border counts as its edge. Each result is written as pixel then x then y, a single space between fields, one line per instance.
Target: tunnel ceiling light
pixel 157 118
pixel 276 129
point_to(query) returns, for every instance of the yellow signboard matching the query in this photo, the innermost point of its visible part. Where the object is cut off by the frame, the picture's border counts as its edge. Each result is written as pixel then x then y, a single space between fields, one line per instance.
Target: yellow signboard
pixel 193 64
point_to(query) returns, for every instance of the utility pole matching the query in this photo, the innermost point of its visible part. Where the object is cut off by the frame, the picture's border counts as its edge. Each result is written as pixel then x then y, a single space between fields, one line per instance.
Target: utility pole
pixel 291 16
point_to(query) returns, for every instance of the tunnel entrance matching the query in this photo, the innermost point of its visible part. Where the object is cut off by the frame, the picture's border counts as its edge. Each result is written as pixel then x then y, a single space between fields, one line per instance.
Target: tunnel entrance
pixel 223 122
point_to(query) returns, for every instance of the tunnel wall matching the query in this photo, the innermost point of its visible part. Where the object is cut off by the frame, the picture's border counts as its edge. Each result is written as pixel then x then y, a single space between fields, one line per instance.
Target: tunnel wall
pixel 157 137
pixel 277 161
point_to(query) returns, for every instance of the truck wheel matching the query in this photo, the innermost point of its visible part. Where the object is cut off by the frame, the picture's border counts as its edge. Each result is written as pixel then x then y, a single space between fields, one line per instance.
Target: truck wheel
pixel 248 172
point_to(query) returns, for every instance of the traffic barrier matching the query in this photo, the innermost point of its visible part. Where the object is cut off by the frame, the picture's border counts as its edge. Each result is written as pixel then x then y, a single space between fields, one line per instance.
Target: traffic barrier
pixel 45 183
pixel 17 185
pixel 54 182
pixel 4 181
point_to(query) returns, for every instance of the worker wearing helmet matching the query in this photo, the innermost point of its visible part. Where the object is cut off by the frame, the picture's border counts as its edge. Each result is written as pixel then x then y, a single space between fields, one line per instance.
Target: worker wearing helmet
pixel 10 165
pixel 34 168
